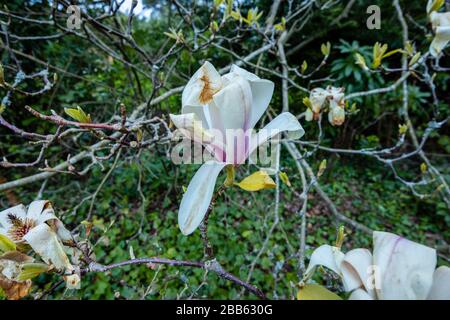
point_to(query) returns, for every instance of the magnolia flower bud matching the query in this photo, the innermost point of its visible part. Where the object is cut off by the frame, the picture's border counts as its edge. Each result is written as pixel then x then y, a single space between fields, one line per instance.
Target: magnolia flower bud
pixel 336 115
pixel 318 97
pixel 309 115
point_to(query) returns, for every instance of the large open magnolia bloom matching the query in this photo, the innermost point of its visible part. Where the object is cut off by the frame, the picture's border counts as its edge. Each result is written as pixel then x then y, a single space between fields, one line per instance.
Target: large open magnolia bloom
pixel 398 269
pixel 42 231
pixel 220 112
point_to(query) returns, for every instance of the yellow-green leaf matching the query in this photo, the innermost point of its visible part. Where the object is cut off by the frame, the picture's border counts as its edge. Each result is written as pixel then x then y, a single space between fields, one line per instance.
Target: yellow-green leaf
pixel 390 53
pixel 437 4
pixel 402 128
pixel 409 48
pixel 229 181
pixel 214 26
pixel 236 15
pixel 257 181
pixel 31 270
pixel 423 167
pixel 359 60
pixel 307 102
pixel 78 114
pixel 414 59
pixel 304 66
pixel 6 244
pixel 284 177
pixel 316 292
pixel 322 167
pixel 325 48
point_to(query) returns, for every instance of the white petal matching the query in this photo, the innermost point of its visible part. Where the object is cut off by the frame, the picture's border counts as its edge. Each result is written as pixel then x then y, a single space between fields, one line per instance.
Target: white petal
pixel 262 91
pixel 201 113
pixel 317 98
pixel 440 41
pixel 356 270
pixel 232 106
pixel 198 196
pixel 45 243
pixel 244 73
pixel 200 89
pixel 284 122
pixel 441 284
pixel 406 267
pixel 327 256
pixel 360 294
pixel 19 211
pixel 40 211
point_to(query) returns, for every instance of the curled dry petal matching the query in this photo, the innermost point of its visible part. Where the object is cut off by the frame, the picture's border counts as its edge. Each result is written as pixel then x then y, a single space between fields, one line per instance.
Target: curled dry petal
pixel 327 256
pixel 45 243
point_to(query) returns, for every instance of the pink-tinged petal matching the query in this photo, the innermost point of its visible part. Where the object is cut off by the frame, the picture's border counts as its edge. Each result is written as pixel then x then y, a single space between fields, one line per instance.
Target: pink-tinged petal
pixel 440 289
pixel 197 198
pixel 360 294
pixel 18 211
pixel 201 88
pixel 285 122
pixel 406 268
pixel 356 269
pixel 327 256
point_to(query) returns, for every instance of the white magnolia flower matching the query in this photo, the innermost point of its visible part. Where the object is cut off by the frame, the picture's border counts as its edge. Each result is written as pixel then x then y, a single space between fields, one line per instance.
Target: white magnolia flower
pixel 441 27
pixel 398 269
pixel 331 96
pixel 212 105
pixel 41 230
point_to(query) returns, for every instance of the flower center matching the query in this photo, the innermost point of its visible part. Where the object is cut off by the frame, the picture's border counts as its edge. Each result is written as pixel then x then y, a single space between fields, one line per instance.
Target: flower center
pixel 19 227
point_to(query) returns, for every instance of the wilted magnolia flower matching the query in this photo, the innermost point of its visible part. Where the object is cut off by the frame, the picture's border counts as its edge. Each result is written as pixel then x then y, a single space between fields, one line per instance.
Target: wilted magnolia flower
pixel 398 269
pixel 39 228
pixel 10 275
pixel 333 97
pixel 224 109
pixel 318 97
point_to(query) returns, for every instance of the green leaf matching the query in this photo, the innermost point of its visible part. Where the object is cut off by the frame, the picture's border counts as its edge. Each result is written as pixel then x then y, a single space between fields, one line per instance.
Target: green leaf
pixel 437 4
pixel 78 114
pixel 284 177
pixel 316 292
pixel 359 60
pixel 31 270
pixel 6 244
pixel 325 48
pixel 414 59
pixel 304 66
